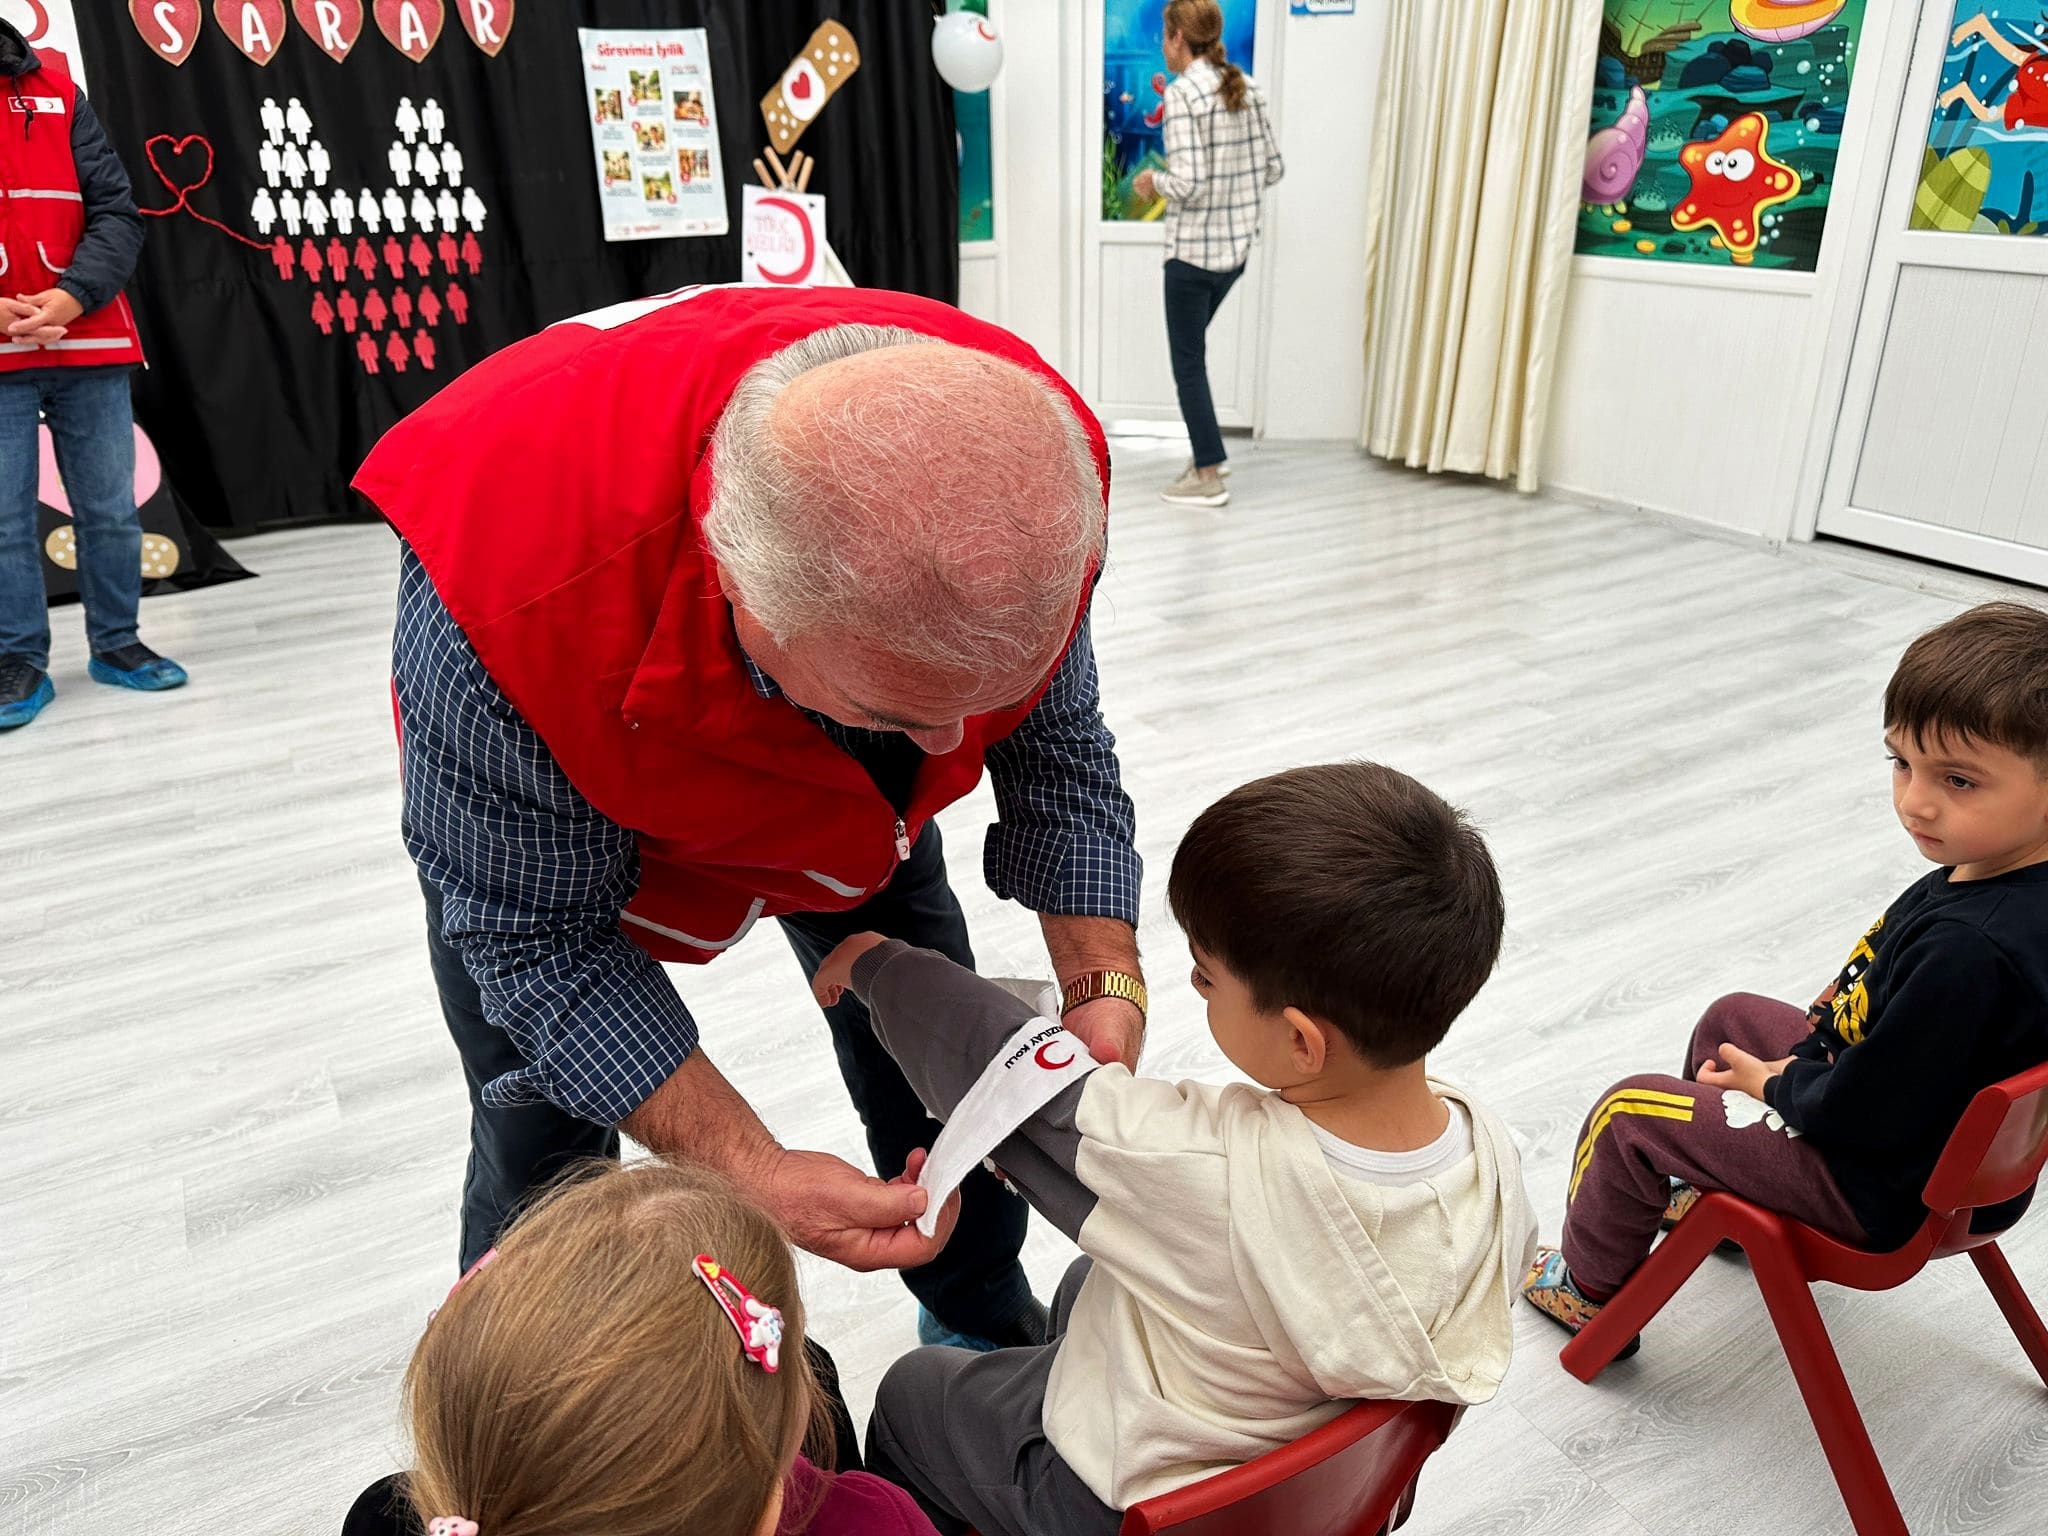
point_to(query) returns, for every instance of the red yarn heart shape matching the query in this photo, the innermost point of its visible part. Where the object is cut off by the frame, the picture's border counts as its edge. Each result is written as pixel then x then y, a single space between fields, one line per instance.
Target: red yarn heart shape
pixel 184 189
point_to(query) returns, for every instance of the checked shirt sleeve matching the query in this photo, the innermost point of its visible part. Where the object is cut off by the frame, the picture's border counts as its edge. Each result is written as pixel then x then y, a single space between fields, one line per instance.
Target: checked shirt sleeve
pixel 1187 158
pixel 532 879
pixel 1063 840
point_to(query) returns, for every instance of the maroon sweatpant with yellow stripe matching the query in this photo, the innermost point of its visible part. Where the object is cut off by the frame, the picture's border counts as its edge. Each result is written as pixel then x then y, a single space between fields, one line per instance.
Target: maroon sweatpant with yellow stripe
pixel 1651 1129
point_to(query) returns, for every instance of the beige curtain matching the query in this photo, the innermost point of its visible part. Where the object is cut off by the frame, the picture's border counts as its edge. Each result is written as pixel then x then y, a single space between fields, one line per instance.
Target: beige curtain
pixel 1478 149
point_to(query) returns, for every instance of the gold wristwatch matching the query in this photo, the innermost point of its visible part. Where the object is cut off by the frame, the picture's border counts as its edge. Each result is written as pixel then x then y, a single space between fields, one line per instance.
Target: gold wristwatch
pixel 1090 985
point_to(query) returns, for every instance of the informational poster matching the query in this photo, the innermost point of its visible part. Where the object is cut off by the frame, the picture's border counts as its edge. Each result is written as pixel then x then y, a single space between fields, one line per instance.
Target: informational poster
pixel 1134 80
pixel 1985 168
pixel 654 125
pixel 782 237
pixel 1716 129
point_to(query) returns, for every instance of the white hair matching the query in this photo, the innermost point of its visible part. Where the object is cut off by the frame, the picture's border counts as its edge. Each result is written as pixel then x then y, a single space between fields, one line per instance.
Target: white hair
pixel 932 515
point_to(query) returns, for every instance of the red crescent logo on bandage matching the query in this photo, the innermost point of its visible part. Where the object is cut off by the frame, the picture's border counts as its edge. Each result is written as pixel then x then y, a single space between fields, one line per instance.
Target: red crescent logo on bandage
pixel 1051 1066
pixel 801 272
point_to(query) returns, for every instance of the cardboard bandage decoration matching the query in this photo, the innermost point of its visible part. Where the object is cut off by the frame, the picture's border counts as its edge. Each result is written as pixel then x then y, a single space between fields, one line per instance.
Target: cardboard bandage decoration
pixel 810 81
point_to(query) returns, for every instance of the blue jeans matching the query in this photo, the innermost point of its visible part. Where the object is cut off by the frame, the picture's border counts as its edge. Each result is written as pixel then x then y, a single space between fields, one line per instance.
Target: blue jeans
pixel 93 426
pixel 975 1285
pixel 1193 295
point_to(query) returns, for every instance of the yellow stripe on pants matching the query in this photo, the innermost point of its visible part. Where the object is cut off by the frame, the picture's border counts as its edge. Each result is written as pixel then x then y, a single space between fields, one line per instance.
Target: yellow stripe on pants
pixel 1626 1101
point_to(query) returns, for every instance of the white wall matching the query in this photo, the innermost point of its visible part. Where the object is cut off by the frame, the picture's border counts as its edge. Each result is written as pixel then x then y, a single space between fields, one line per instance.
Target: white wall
pixel 1328 70
pixel 1712 394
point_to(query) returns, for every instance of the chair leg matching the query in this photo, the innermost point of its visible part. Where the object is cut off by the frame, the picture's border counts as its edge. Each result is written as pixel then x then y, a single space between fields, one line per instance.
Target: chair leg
pixel 1853 1459
pixel 2004 1286
pixel 1656 1280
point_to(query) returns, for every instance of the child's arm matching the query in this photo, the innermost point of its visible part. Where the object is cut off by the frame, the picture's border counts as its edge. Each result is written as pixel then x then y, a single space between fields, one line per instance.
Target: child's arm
pixel 1907 1081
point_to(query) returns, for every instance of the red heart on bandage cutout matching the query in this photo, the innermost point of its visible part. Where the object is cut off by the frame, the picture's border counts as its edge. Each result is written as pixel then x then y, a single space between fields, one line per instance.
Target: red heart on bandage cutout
pixel 800 87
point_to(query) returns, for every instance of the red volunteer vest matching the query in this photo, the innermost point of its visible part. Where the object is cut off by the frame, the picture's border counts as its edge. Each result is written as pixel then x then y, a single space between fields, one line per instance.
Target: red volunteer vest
pixel 554 494
pixel 42 219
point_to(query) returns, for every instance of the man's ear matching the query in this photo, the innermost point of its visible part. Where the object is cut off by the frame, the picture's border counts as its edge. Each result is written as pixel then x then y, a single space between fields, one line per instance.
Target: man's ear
pixel 1309 1041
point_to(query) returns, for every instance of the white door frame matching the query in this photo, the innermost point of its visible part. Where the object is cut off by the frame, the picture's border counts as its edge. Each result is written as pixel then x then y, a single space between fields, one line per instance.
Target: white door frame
pixel 1894 247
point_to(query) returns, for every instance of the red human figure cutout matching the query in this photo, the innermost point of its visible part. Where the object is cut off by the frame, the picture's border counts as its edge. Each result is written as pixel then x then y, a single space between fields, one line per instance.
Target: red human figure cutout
pixel 323 313
pixel 421 258
pixel 472 253
pixel 401 308
pixel 394 257
pixel 458 303
pixel 449 252
pixel 366 259
pixel 337 258
pixel 375 310
pixel 366 350
pixel 423 348
pixel 349 310
pixel 282 258
pixel 430 307
pixel 399 353
pixel 309 258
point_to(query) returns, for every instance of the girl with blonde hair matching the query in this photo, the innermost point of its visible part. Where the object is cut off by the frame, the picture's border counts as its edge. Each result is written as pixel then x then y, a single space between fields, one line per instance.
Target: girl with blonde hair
pixel 629 1361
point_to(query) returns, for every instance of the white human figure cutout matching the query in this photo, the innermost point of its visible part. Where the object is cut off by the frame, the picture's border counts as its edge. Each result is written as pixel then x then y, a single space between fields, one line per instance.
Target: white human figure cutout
pixel 288 205
pixel 320 161
pixel 297 121
pixel 473 208
pixel 422 208
pixel 408 119
pixel 428 164
pixel 263 211
pixel 343 207
pixel 394 210
pixel 271 161
pixel 434 120
pixel 315 212
pixel 450 211
pixel 368 212
pixel 294 165
pixel 451 163
pixel 273 120
pixel 401 164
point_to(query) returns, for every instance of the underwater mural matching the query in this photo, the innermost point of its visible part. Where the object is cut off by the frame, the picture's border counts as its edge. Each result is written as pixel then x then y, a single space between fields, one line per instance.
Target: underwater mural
pixel 1985 166
pixel 1134 81
pixel 1716 127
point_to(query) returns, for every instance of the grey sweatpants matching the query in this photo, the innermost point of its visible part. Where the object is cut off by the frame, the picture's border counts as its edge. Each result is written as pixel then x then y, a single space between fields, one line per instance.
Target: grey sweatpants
pixel 965 1434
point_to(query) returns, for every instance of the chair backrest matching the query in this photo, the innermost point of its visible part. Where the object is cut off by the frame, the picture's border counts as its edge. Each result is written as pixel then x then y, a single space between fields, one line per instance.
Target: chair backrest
pixel 1998 1147
pixel 1348 1478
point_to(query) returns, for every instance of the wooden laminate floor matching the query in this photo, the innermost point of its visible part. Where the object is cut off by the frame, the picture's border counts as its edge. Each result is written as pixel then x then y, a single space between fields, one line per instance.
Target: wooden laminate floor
pixel 232 1130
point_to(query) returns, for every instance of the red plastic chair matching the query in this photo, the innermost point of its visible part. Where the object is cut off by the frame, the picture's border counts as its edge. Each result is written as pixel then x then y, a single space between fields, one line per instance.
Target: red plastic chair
pixel 1996 1153
pixel 1355 1476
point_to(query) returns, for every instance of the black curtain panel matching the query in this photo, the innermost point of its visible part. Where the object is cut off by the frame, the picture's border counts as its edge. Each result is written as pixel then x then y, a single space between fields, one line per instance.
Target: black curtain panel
pixel 284 340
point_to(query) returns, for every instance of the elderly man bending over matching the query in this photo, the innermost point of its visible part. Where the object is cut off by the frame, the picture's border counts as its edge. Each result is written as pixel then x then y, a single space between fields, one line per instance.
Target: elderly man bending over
pixel 707 605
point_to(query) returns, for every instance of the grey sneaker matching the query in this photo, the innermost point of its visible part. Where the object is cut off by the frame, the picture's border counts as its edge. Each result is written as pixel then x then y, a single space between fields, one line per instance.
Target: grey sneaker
pixel 1195 489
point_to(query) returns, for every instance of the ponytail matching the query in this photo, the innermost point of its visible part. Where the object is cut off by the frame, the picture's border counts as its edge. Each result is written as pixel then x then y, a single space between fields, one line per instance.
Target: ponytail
pixel 1200 25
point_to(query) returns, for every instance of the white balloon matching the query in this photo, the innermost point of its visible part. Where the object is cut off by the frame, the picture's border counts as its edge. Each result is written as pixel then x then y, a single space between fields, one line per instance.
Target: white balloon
pixel 966 50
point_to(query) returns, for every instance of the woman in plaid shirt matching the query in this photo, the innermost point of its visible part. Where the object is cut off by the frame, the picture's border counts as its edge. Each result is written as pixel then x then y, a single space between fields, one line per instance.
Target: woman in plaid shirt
pixel 1220 157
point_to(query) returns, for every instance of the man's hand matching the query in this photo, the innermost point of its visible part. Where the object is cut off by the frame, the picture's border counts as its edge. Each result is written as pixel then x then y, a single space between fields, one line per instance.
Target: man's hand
pixel 37 314
pixel 1739 1070
pixel 835 972
pixel 23 322
pixel 830 1208
pixel 1111 1028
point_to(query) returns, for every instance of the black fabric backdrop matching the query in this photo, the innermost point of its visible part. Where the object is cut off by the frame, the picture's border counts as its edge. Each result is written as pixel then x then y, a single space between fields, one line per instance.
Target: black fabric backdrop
pixel 260 417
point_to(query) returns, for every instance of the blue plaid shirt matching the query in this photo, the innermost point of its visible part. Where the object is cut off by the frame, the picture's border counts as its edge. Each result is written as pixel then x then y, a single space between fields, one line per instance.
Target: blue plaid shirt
pixel 532 877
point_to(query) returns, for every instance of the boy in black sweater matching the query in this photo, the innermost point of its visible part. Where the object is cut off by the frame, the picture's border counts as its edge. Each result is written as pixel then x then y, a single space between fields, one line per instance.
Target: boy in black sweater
pixel 1836 1115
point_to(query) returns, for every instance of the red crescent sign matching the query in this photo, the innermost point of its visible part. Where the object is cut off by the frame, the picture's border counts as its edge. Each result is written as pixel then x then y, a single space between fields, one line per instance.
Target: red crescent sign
pixel 802 271
pixel 40 25
pixel 1051 1066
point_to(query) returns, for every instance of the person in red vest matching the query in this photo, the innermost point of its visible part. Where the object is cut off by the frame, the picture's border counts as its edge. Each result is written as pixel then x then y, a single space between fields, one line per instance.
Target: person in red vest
pixel 708 604
pixel 69 236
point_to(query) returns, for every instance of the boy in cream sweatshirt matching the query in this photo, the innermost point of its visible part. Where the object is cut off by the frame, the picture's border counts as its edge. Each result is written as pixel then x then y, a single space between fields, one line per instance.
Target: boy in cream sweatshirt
pixel 1255 1256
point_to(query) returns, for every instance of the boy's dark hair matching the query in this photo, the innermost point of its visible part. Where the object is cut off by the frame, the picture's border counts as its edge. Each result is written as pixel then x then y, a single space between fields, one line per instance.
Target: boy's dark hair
pixel 1984 674
pixel 1351 892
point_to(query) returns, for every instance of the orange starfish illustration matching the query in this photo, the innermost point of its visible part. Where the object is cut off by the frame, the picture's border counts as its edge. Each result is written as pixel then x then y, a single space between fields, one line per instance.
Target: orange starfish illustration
pixel 1734 179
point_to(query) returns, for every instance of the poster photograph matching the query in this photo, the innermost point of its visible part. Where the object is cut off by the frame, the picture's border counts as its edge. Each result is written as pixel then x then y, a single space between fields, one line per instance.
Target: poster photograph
pixel 1716 128
pixel 1134 81
pixel 1986 160
pixel 654 128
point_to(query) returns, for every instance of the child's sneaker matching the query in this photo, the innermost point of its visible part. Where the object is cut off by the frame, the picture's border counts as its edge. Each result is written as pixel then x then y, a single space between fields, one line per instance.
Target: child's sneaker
pixel 1683 1198
pixel 1549 1288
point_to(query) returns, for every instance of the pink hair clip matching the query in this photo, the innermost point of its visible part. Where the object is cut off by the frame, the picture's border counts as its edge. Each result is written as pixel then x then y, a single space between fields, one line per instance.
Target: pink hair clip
pixel 451 1525
pixel 759 1326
